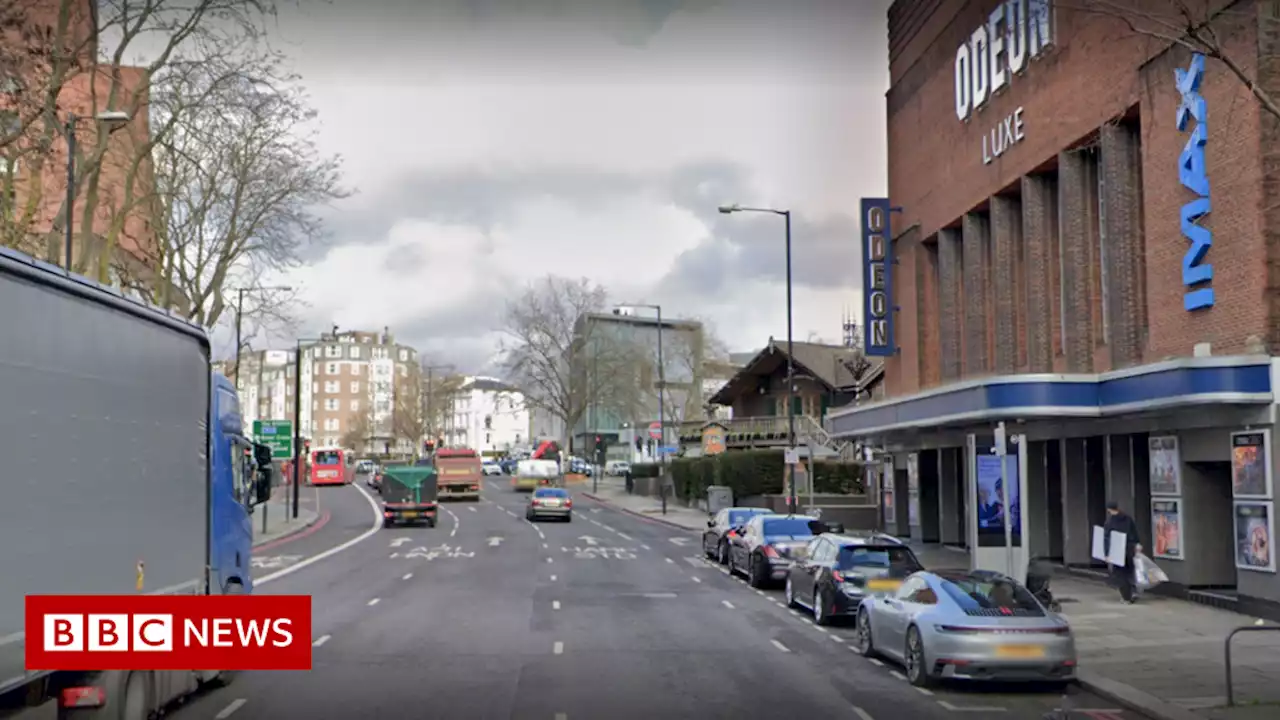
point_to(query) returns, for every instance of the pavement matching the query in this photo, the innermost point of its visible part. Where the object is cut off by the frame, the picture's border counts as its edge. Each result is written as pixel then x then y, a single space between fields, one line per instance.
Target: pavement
pixel 612 490
pixel 278 514
pixel 612 615
pixel 1162 656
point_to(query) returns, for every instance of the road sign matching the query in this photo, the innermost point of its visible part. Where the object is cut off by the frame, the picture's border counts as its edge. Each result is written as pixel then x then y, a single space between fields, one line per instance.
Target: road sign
pixel 655 430
pixel 278 434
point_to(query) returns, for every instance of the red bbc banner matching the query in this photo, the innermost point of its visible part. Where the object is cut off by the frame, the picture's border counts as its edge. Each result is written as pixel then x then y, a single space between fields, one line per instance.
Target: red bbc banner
pixel 168 632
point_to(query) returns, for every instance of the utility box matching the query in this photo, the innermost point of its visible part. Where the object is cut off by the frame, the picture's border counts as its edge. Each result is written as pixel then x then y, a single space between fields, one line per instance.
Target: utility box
pixel 719 497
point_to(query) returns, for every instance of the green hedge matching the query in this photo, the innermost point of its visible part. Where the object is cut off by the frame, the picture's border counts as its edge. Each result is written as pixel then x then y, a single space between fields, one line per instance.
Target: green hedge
pixel 645 470
pixel 756 472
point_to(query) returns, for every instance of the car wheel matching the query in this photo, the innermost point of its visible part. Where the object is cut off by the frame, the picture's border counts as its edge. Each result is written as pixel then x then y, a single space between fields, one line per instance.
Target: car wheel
pixel 568 518
pixel 722 553
pixel 755 575
pixel 706 553
pixel 790 593
pixel 917 673
pixel 862 635
pixel 729 561
pixel 819 608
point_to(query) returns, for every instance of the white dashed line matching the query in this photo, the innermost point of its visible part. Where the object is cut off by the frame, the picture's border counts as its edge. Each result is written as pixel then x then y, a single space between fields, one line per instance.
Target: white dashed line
pixel 624 536
pixel 406 576
pixel 760 593
pixel 696 578
pixel 670 560
pixel 897 674
pixel 229 709
pixel 320 641
pixel 874 661
pixel 394 556
pixel 471 509
pixel 645 547
pixel 776 602
pixel 550 560
pixel 544 546
pixel 862 714
pixel 957 708
pixel 553 578
pixel 555 604
pixel 780 646
pixel 837 638
pixel 727 604
pixel 924 691
pixel 558 648
pixel 373 602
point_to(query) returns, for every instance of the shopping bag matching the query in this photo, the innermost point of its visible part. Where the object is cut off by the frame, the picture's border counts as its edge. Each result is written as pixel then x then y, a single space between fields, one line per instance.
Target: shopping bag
pixel 1147 574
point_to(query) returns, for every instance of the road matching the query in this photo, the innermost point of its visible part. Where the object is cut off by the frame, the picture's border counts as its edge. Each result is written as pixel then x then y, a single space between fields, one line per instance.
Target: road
pixel 611 615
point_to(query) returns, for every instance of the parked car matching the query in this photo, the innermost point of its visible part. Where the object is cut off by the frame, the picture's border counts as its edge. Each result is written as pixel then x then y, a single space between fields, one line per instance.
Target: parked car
pixel 715 539
pixel 375 477
pixel 837 571
pixel 763 548
pixel 549 502
pixel 975 625
pixel 616 468
pixel 491 467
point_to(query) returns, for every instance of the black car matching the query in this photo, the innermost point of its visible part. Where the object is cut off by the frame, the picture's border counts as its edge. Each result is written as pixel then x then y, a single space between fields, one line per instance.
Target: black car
pixel 837 571
pixel 765 546
pixel 715 539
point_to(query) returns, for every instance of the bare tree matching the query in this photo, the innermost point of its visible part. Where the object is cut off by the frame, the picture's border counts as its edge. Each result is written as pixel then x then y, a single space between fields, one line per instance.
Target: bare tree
pixel 438 395
pixel 236 187
pixel 687 345
pixel 407 417
pixel 359 431
pixel 562 363
pixel 1192 24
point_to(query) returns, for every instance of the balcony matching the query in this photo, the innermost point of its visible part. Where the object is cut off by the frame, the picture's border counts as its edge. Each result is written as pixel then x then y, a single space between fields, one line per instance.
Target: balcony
pixel 770 431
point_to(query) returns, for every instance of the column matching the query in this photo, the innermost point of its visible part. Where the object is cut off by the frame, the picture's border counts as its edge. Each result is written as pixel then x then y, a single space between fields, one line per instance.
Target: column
pixel 950 319
pixel 1040 233
pixel 1119 459
pixel 1035 506
pixel 1076 530
pixel 950 503
pixel 976 249
pixel 1120 167
pixel 1077 184
pixel 929 529
pixel 1006 245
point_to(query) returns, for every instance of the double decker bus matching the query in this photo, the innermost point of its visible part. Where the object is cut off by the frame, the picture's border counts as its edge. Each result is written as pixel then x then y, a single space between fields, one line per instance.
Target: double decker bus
pixel 328 466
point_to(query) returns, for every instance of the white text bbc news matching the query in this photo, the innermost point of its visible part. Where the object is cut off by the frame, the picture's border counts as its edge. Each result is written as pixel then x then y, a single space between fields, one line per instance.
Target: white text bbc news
pixel 141 632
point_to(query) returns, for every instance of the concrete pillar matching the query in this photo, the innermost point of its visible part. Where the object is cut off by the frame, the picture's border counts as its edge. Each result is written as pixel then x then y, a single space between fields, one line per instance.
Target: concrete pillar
pixel 1035 506
pixel 1119 459
pixel 1076 530
pixel 1077 186
pixel 929 529
pixel 976 254
pixel 1007 283
pixel 950 489
pixel 950 302
pixel 1120 171
pixel 1040 235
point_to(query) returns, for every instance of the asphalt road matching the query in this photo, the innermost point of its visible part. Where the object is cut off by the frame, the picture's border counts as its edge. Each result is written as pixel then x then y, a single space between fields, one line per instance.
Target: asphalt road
pixel 609 616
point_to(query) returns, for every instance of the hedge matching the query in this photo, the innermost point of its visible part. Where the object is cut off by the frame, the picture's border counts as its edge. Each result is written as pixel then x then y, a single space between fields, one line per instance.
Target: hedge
pixel 646 470
pixel 756 472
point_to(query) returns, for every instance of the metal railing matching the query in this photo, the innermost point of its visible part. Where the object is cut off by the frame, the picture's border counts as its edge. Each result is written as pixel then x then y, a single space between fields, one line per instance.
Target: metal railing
pixel 1231 695
pixel 772 429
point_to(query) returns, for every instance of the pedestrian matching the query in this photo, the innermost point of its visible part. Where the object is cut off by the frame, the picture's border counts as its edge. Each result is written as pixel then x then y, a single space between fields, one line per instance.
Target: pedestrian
pixel 630 482
pixel 1122 575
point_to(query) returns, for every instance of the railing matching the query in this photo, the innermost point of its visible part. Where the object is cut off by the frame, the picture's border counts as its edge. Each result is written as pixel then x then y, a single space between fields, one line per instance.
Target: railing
pixel 769 429
pixel 1231 696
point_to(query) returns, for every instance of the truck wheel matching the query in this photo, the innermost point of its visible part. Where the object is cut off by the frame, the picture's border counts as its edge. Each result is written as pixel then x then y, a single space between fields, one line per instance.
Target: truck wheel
pixel 431 522
pixel 388 522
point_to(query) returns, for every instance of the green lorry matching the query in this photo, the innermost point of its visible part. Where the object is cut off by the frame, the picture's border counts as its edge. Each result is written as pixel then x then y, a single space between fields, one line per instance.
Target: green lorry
pixel 408 495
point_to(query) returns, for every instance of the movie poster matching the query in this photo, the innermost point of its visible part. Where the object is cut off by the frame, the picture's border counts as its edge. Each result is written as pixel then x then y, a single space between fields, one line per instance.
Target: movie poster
pixel 1166 528
pixel 1166 465
pixel 1250 465
pixel 913 489
pixel 1254 529
pixel 887 494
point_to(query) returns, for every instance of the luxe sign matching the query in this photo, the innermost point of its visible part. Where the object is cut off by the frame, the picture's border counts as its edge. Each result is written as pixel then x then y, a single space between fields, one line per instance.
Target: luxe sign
pixel 877 256
pixel 1014 33
pixel 1193 176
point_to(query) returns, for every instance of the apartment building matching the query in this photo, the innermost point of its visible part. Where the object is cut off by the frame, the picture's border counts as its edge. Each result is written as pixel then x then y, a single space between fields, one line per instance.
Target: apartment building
pixel 487 415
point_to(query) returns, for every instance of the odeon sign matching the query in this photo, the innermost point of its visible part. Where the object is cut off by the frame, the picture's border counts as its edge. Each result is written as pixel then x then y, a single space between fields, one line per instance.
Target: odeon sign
pixel 1015 32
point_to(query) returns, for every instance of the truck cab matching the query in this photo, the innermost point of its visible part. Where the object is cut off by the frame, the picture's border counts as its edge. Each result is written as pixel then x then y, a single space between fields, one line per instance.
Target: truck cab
pixel 235 486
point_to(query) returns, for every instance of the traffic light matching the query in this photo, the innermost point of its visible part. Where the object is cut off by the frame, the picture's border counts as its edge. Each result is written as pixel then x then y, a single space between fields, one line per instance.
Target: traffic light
pixel 602 446
pixel 639 445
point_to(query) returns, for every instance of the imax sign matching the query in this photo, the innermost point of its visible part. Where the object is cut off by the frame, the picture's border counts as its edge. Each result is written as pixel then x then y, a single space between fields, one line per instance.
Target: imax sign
pixel 1014 33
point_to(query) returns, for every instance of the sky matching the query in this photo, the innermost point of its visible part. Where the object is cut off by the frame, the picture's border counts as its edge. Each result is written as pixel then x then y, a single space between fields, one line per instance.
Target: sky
pixel 493 142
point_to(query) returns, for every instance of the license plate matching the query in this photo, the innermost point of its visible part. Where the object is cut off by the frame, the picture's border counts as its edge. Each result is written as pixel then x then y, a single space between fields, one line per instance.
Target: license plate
pixel 883 585
pixel 411 514
pixel 1020 652
pixel 552 503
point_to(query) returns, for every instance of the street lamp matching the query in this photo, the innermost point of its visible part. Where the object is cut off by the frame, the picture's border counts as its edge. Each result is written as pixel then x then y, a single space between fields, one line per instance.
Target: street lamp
pixel 297 417
pixel 662 382
pixel 240 311
pixel 791 388
pixel 113 120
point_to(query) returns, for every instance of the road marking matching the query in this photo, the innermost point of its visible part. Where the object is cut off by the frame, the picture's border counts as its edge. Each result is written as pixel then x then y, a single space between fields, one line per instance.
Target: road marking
pixel 874 661
pixel 544 545
pixel 454 531
pixel 471 509
pixel 606 527
pixel 696 562
pixel 837 638
pixel 550 560
pixel 862 714
pixel 679 540
pixel 558 648
pixel 539 531
pixel 588 539
pixel 659 595
pixel 562 716
pixel 373 530
pixel 399 541
pixel 495 541
pixel 320 641
pixel 624 536
pixel 776 602
pixel 727 604
pixel 696 578
pixel 924 691
pixel 555 604
pixel 780 646
pixel 553 578
pixel 229 709
pixel 897 674
pixel 393 556
pixel 646 547
pixel 670 560
pixel 373 602
pixel 760 593
pixel 958 708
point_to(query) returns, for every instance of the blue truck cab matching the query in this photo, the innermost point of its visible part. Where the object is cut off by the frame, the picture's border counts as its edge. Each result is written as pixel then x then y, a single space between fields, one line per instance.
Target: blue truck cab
pixel 235 487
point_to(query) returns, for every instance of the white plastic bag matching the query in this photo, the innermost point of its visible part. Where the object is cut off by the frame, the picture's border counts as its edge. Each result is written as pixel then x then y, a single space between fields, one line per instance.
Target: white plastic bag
pixel 1147 574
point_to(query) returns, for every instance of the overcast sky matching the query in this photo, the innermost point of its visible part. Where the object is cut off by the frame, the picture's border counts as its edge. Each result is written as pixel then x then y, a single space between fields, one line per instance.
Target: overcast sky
pixel 495 141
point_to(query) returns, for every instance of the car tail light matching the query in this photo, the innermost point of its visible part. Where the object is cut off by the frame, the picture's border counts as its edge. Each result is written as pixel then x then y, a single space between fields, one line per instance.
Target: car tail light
pixel 536 502
pixel 771 551
pixel 568 503
pixel 963 629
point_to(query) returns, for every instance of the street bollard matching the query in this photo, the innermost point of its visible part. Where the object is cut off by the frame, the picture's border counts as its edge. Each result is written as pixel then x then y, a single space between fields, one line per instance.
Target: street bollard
pixel 264 518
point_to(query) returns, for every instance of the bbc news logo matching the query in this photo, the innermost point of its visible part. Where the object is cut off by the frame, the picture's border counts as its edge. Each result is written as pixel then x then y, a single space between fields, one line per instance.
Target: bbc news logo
pixel 168 632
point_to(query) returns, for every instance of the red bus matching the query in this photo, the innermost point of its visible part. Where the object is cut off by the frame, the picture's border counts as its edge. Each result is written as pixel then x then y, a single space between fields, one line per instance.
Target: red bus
pixel 328 466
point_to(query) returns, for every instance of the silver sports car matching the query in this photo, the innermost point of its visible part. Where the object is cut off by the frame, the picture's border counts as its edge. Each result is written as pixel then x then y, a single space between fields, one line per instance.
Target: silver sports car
pixel 974 625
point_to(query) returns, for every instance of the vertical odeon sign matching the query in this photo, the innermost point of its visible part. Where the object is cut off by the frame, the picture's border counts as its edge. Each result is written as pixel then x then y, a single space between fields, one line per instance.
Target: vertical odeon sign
pixel 877 290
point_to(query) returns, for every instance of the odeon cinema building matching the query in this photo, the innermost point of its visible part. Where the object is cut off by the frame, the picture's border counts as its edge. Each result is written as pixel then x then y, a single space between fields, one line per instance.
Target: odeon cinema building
pixel 1075 286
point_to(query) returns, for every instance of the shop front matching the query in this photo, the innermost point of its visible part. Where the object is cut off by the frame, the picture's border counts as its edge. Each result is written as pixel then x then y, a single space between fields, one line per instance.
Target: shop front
pixel 1184 446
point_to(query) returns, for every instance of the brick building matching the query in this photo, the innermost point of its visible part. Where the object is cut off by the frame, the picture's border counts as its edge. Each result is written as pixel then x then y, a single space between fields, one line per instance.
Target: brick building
pixel 1044 158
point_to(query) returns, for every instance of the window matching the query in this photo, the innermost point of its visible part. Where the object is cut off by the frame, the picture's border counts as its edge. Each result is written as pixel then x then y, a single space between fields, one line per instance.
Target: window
pixel 353 352
pixel 353 369
pixel 355 406
pixel 331 386
pixel 854 557
pixel 331 404
pixel 332 369
pixel 241 472
pixel 404 371
pixel 404 355
pixel 332 424
pixel 990 595
pixel 332 351
pixel 796 526
pixel 355 386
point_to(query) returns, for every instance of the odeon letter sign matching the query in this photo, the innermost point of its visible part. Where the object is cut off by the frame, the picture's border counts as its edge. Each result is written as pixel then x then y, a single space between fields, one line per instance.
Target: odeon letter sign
pixel 1196 270
pixel 877 278
pixel 1015 32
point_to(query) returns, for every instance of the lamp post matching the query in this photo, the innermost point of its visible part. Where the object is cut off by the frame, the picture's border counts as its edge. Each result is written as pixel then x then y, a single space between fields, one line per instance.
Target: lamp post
pixel 114 120
pixel 297 417
pixel 240 312
pixel 662 384
pixel 791 388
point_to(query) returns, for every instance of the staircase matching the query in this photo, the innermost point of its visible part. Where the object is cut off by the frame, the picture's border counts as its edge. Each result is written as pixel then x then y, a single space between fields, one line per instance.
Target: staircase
pixel 810 432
